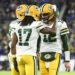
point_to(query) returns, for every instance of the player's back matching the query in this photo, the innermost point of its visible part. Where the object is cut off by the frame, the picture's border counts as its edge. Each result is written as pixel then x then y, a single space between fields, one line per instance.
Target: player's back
pixel 27 40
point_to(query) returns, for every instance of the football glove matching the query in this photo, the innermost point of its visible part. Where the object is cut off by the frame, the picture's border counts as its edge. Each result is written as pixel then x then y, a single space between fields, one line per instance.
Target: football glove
pixel 15 66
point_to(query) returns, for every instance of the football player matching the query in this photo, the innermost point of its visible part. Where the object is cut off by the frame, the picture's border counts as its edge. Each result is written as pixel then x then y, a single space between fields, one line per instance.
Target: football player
pixel 20 14
pixel 25 39
pixel 52 44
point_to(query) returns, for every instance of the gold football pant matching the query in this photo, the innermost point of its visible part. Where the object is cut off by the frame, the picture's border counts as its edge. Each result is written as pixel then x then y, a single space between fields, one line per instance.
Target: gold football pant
pixel 27 65
pixel 13 71
pixel 52 67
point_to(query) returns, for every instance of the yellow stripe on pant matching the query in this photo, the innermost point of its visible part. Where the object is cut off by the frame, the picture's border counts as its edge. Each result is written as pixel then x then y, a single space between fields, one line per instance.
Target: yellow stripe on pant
pixel 53 66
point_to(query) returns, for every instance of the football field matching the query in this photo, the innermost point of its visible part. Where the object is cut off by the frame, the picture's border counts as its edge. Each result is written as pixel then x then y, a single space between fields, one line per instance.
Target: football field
pixel 60 73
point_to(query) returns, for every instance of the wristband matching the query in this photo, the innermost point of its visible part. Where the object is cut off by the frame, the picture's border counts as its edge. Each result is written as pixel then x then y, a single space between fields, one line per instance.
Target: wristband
pixel 67 56
pixel 14 56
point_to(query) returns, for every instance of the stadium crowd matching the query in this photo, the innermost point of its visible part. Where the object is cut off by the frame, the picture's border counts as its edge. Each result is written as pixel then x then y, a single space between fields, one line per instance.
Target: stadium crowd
pixel 7 14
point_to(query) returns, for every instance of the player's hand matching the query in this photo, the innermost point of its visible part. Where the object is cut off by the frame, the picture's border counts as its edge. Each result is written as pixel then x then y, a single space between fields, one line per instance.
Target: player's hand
pixel 67 66
pixel 15 64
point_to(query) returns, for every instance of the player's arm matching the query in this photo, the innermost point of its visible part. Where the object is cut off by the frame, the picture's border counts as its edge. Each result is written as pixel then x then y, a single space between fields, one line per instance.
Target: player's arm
pixel 64 39
pixel 13 50
pixel 64 31
pixel 13 45
pixel 46 30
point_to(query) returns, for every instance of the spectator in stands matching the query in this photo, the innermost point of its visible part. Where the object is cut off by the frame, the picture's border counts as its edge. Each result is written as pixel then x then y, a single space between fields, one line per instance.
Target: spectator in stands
pixel 72 42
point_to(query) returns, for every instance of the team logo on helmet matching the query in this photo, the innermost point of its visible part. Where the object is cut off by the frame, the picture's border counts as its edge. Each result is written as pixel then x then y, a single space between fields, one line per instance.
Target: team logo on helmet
pixel 50 8
pixel 36 8
pixel 19 8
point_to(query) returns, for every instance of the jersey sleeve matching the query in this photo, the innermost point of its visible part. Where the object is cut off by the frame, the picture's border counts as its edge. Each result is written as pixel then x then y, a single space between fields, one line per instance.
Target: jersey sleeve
pixel 11 30
pixel 40 26
pixel 64 29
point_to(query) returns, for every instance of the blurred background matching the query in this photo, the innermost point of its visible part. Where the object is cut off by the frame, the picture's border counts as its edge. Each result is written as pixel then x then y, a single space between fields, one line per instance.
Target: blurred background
pixel 7 14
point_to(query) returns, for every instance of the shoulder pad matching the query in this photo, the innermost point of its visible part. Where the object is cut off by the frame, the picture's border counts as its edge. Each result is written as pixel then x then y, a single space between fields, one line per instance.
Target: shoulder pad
pixel 13 24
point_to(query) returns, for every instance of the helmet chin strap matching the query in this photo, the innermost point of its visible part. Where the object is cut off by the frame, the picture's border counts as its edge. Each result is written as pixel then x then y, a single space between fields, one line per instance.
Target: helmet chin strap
pixel 46 21
pixel 19 20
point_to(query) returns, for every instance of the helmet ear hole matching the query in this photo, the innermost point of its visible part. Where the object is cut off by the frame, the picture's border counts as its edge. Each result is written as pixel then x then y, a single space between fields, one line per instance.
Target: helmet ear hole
pixel 37 15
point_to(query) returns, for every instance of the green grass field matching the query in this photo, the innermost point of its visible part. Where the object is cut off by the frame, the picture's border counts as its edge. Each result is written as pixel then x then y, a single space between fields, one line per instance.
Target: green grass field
pixel 60 73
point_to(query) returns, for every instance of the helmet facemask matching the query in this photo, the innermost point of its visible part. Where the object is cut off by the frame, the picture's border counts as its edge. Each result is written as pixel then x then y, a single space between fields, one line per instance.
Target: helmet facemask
pixel 46 17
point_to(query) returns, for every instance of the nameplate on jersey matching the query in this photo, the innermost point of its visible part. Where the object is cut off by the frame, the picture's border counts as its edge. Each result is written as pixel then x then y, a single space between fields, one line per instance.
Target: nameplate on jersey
pixel 48 56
